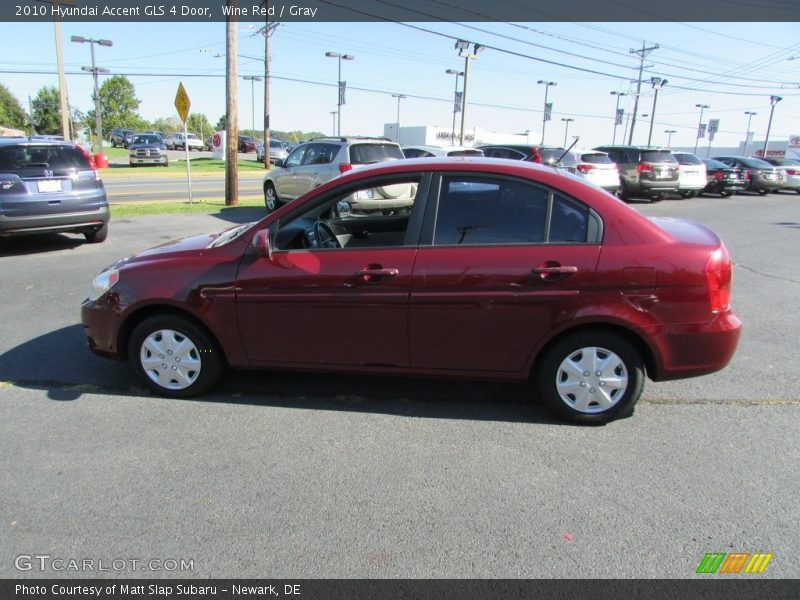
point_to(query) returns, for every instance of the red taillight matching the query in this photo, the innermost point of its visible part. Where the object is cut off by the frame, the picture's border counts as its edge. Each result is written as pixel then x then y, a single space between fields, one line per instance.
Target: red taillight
pixel 345 167
pixel 719 175
pixel 792 172
pixel 585 168
pixel 644 168
pixel 718 279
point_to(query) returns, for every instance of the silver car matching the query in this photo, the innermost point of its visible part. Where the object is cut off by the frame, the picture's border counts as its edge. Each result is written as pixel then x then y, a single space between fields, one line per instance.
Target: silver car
pixel 317 161
pixel 791 172
pixel 50 187
pixel 277 151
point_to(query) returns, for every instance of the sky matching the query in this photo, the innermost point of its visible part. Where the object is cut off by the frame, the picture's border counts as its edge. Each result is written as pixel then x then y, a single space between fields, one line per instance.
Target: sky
pixel 732 67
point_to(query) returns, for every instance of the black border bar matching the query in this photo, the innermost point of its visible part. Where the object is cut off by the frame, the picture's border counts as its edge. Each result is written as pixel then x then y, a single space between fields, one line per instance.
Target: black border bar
pixel 401 10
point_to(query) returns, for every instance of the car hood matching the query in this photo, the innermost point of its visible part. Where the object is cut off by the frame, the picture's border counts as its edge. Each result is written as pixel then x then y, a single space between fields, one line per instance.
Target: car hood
pixel 148 146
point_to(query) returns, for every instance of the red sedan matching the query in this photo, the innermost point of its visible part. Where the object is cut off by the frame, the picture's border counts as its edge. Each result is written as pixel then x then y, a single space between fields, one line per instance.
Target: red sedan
pixel 469 268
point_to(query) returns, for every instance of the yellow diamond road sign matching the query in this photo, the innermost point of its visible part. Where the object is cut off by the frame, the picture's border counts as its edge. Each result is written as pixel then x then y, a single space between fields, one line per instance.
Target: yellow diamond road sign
pixel 182 102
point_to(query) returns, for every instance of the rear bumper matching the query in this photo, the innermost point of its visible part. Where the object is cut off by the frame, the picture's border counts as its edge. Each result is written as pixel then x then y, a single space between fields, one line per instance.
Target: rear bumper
pixel 55 223
pixel 697 349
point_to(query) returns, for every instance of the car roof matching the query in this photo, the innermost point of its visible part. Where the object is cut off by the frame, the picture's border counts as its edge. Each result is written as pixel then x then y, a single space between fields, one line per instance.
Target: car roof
pixel 34 141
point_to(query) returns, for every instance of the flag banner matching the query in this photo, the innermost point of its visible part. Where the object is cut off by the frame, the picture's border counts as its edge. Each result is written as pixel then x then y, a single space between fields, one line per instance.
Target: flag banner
pixel 342 87
pixel 548 110
pixel 620 114
pixel 457 103
pixel 701 131
pixel 713 125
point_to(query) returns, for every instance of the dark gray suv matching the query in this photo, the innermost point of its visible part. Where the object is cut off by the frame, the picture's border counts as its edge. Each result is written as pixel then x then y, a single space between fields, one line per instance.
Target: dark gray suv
pixel 48 187
pixel 644 170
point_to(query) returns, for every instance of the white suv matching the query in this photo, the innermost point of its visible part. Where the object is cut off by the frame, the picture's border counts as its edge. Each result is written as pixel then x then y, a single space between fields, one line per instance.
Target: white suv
pixel 192 140
pixel 691 176
pixel 314 162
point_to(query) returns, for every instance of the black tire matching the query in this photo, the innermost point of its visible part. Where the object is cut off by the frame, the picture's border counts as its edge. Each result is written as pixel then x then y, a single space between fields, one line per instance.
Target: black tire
pixel 602 344
pixel 688 195
pixel 271 200
pixel 763 192
pixel 658 197
pixel 98 235
pixel 171 332
pixel 624 195
pixel 726 194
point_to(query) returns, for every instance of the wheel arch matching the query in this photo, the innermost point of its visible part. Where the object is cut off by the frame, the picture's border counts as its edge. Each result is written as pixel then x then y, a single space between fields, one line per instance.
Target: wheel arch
pixel 160 310
pixel 631 336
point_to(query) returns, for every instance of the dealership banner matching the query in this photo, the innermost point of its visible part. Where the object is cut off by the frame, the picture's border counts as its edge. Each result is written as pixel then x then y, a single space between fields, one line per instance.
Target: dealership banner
pixel 710 586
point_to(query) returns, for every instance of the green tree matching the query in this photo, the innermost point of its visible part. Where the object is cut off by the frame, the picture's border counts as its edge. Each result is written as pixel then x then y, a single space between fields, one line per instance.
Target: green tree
pixel 220 126
pixel 11 112
pixel 168 125
pixel 198 123
pixel 46 108
pixel 118 106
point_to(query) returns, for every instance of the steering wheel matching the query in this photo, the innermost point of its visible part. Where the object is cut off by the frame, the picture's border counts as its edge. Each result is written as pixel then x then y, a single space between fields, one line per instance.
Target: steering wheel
pixel 324 235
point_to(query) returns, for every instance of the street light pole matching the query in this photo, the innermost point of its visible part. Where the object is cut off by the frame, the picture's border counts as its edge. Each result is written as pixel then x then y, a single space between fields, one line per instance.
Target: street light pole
pixel 340 101
pixel 95 70
pixel 397 130
pixel 702 107
pixel 458 74
pixel 749 114
pixel 463 50
pixel 669 133
pixel 545 116
pixel 252 79
pixel 773 100
pixel 657 84
pixel 567 121
pixel 616 113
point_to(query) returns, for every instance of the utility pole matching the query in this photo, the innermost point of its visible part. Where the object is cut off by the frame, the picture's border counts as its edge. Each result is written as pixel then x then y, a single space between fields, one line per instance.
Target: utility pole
pixel 642 54
pixel 62 82
pixel 267 31
pixel 231 115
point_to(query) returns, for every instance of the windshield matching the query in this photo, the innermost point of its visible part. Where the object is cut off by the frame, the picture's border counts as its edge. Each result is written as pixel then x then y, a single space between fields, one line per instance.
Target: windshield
pixel 230 234
pixel 146 139
pixel 596 158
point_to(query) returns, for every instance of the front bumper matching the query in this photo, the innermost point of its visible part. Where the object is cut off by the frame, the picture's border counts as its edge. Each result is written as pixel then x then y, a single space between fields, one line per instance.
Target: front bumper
pixel 159 160
pixel 101 323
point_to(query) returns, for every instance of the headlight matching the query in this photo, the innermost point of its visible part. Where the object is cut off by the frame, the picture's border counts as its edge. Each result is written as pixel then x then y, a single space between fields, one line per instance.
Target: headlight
pixel 103 282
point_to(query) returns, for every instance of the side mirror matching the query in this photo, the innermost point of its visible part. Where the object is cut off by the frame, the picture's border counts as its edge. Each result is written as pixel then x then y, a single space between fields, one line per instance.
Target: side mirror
pixel 261 243
pixel 279 162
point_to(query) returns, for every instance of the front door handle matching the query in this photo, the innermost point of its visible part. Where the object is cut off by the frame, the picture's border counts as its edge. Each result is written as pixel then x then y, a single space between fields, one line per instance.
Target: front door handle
pixel 376 274
pixel 545 271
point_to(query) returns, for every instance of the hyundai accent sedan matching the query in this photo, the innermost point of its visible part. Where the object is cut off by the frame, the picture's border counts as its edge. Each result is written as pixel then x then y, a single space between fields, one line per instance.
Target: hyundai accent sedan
pixel 499 270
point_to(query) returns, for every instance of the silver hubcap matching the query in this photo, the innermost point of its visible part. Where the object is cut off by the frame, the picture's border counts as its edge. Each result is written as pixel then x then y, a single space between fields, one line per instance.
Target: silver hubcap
pixel 591 380
pixel 270 198
pixel 170 359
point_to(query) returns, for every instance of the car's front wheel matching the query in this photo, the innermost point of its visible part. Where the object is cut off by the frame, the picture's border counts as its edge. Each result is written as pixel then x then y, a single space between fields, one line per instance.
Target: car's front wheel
pixel 688 195
pixel 174 357
pixel 591 377
pixel 725 194
pixel 270 197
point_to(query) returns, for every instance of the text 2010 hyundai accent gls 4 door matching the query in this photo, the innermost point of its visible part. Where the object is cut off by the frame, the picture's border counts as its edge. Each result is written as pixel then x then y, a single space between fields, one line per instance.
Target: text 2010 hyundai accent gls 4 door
pixel 497 269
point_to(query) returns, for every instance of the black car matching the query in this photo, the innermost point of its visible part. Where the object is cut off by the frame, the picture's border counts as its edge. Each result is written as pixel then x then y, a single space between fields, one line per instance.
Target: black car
pixel 49 186
pixel 547 155
pixel 723 179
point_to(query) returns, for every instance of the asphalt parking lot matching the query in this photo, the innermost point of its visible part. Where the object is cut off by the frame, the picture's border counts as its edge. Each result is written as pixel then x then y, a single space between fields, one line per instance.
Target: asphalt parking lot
pixel 314 476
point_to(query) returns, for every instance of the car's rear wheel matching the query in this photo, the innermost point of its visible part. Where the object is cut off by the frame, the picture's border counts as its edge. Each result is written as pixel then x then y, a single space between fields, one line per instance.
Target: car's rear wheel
pixel 174 357
pixel 97 235
pixel 688 195
pixel 591 377
pixel 726 194
pixel 658 197
pixel 763 192
pixel 270 197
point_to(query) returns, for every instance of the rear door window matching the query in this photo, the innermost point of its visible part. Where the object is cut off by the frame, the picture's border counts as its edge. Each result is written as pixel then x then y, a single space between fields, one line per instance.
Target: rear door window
pixel 364 154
